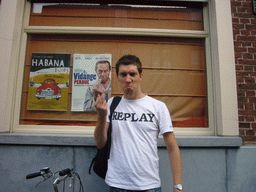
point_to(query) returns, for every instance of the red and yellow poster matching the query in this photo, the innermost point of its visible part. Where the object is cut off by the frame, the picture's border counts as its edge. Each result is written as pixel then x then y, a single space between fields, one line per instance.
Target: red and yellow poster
pixel 49 82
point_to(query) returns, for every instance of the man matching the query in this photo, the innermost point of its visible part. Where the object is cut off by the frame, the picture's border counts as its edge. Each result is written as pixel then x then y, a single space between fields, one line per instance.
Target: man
pixel 103 70
pixel 136 123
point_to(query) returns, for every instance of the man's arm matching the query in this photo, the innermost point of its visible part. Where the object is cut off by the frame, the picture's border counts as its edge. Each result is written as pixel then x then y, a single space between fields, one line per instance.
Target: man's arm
pixel 175 158
pixel 100 132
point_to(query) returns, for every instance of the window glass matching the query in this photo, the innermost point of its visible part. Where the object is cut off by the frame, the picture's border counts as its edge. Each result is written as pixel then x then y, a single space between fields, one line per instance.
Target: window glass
pixel 173 68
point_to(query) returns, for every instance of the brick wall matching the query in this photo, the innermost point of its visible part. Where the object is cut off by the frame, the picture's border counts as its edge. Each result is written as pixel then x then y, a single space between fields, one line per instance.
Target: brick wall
pixel 244 29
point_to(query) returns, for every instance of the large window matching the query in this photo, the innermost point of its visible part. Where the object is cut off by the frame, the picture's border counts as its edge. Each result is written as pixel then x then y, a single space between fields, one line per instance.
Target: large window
pixel 171 40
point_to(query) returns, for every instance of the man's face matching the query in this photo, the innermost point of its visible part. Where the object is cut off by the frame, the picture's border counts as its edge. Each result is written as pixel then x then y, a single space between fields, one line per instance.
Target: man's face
pixel 103 72
pixel 129 78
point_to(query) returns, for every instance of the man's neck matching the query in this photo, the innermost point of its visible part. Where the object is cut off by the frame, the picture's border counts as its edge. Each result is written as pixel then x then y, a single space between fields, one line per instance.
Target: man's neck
pixel 134 96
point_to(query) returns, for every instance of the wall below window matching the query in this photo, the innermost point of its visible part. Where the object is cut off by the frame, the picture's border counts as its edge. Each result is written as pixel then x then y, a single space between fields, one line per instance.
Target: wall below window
pixel 209 164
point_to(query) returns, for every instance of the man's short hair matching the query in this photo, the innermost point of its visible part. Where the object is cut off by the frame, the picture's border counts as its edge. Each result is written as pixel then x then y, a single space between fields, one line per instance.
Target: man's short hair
pixel 128 60
pixel 101 62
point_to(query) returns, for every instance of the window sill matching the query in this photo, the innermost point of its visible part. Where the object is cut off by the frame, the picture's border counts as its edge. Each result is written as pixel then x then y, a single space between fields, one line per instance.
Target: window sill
pixel 88 140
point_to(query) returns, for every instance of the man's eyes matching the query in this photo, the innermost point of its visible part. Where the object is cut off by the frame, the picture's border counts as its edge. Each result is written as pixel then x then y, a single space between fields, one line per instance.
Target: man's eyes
pixel 125 74
pixel 101 71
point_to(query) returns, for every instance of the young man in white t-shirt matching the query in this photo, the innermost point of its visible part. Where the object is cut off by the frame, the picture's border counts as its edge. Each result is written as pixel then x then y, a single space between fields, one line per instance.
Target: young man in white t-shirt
pixel 136 124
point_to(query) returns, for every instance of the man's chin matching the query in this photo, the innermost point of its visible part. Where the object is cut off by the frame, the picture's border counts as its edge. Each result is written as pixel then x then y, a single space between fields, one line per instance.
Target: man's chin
pixel 128 90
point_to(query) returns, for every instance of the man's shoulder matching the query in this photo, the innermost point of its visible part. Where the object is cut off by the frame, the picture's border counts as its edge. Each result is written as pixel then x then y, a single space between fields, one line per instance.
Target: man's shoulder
pixel 154 100
pixel 110 100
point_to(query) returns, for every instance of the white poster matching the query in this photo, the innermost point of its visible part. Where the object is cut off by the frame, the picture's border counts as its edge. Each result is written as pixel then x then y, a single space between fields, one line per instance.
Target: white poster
pixel 91 76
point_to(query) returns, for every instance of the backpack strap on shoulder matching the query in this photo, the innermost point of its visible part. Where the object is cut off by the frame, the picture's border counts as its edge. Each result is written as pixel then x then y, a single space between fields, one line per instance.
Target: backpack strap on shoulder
pixel 114 104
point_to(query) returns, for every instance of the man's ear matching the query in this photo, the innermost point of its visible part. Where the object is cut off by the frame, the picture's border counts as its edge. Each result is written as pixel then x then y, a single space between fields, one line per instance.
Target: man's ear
pixel 141 75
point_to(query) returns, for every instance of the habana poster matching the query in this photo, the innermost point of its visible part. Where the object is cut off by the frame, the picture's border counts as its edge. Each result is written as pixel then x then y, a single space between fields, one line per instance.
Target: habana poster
pixel 91 76
pixel 49 82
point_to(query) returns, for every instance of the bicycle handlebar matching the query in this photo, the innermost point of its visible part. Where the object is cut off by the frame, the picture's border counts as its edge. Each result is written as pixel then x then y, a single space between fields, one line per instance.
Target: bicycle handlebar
pixel 42 172
pixel 33 175
pixel 65 172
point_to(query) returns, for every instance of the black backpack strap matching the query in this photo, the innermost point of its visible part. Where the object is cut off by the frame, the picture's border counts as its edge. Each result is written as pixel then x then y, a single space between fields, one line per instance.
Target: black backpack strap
pixel 113 106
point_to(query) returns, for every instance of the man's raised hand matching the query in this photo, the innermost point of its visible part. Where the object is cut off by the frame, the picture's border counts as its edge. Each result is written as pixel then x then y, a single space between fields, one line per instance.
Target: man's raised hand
pixel 101 104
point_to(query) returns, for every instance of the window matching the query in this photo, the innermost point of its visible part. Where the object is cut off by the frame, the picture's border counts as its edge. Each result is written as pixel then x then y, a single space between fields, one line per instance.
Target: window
pixel 127 32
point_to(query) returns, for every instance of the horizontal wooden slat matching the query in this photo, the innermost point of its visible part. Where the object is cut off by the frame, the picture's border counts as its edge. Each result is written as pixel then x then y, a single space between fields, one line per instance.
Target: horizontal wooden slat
pixel 178 107
pixel 171 53
pixel 170 82
pixel 104 11
pixel 177 18
pixel 116 22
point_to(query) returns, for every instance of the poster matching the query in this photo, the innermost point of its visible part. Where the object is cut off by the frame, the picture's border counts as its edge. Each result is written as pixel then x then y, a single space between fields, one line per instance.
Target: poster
pixel 91 75
pixel 49 82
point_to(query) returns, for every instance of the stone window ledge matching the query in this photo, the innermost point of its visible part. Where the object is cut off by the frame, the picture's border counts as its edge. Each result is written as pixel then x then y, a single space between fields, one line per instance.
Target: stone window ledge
pixel 88 140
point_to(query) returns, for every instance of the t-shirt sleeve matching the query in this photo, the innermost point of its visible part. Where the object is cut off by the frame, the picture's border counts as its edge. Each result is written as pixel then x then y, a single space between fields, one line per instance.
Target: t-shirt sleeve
pixel 165 122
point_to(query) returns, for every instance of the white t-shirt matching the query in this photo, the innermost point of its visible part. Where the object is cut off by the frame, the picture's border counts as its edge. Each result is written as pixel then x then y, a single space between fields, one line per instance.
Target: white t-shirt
pixel 134 161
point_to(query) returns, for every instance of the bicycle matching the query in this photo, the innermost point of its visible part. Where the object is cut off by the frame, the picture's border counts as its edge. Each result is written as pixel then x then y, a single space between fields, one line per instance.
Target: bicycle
pixel 46 173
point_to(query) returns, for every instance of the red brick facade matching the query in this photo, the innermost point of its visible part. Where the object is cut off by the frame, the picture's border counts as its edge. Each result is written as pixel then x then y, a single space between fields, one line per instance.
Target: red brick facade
pixel 244 29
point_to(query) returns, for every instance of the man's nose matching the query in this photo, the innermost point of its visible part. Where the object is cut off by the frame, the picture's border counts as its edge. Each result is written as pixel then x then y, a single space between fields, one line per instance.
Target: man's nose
pixel 128 78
